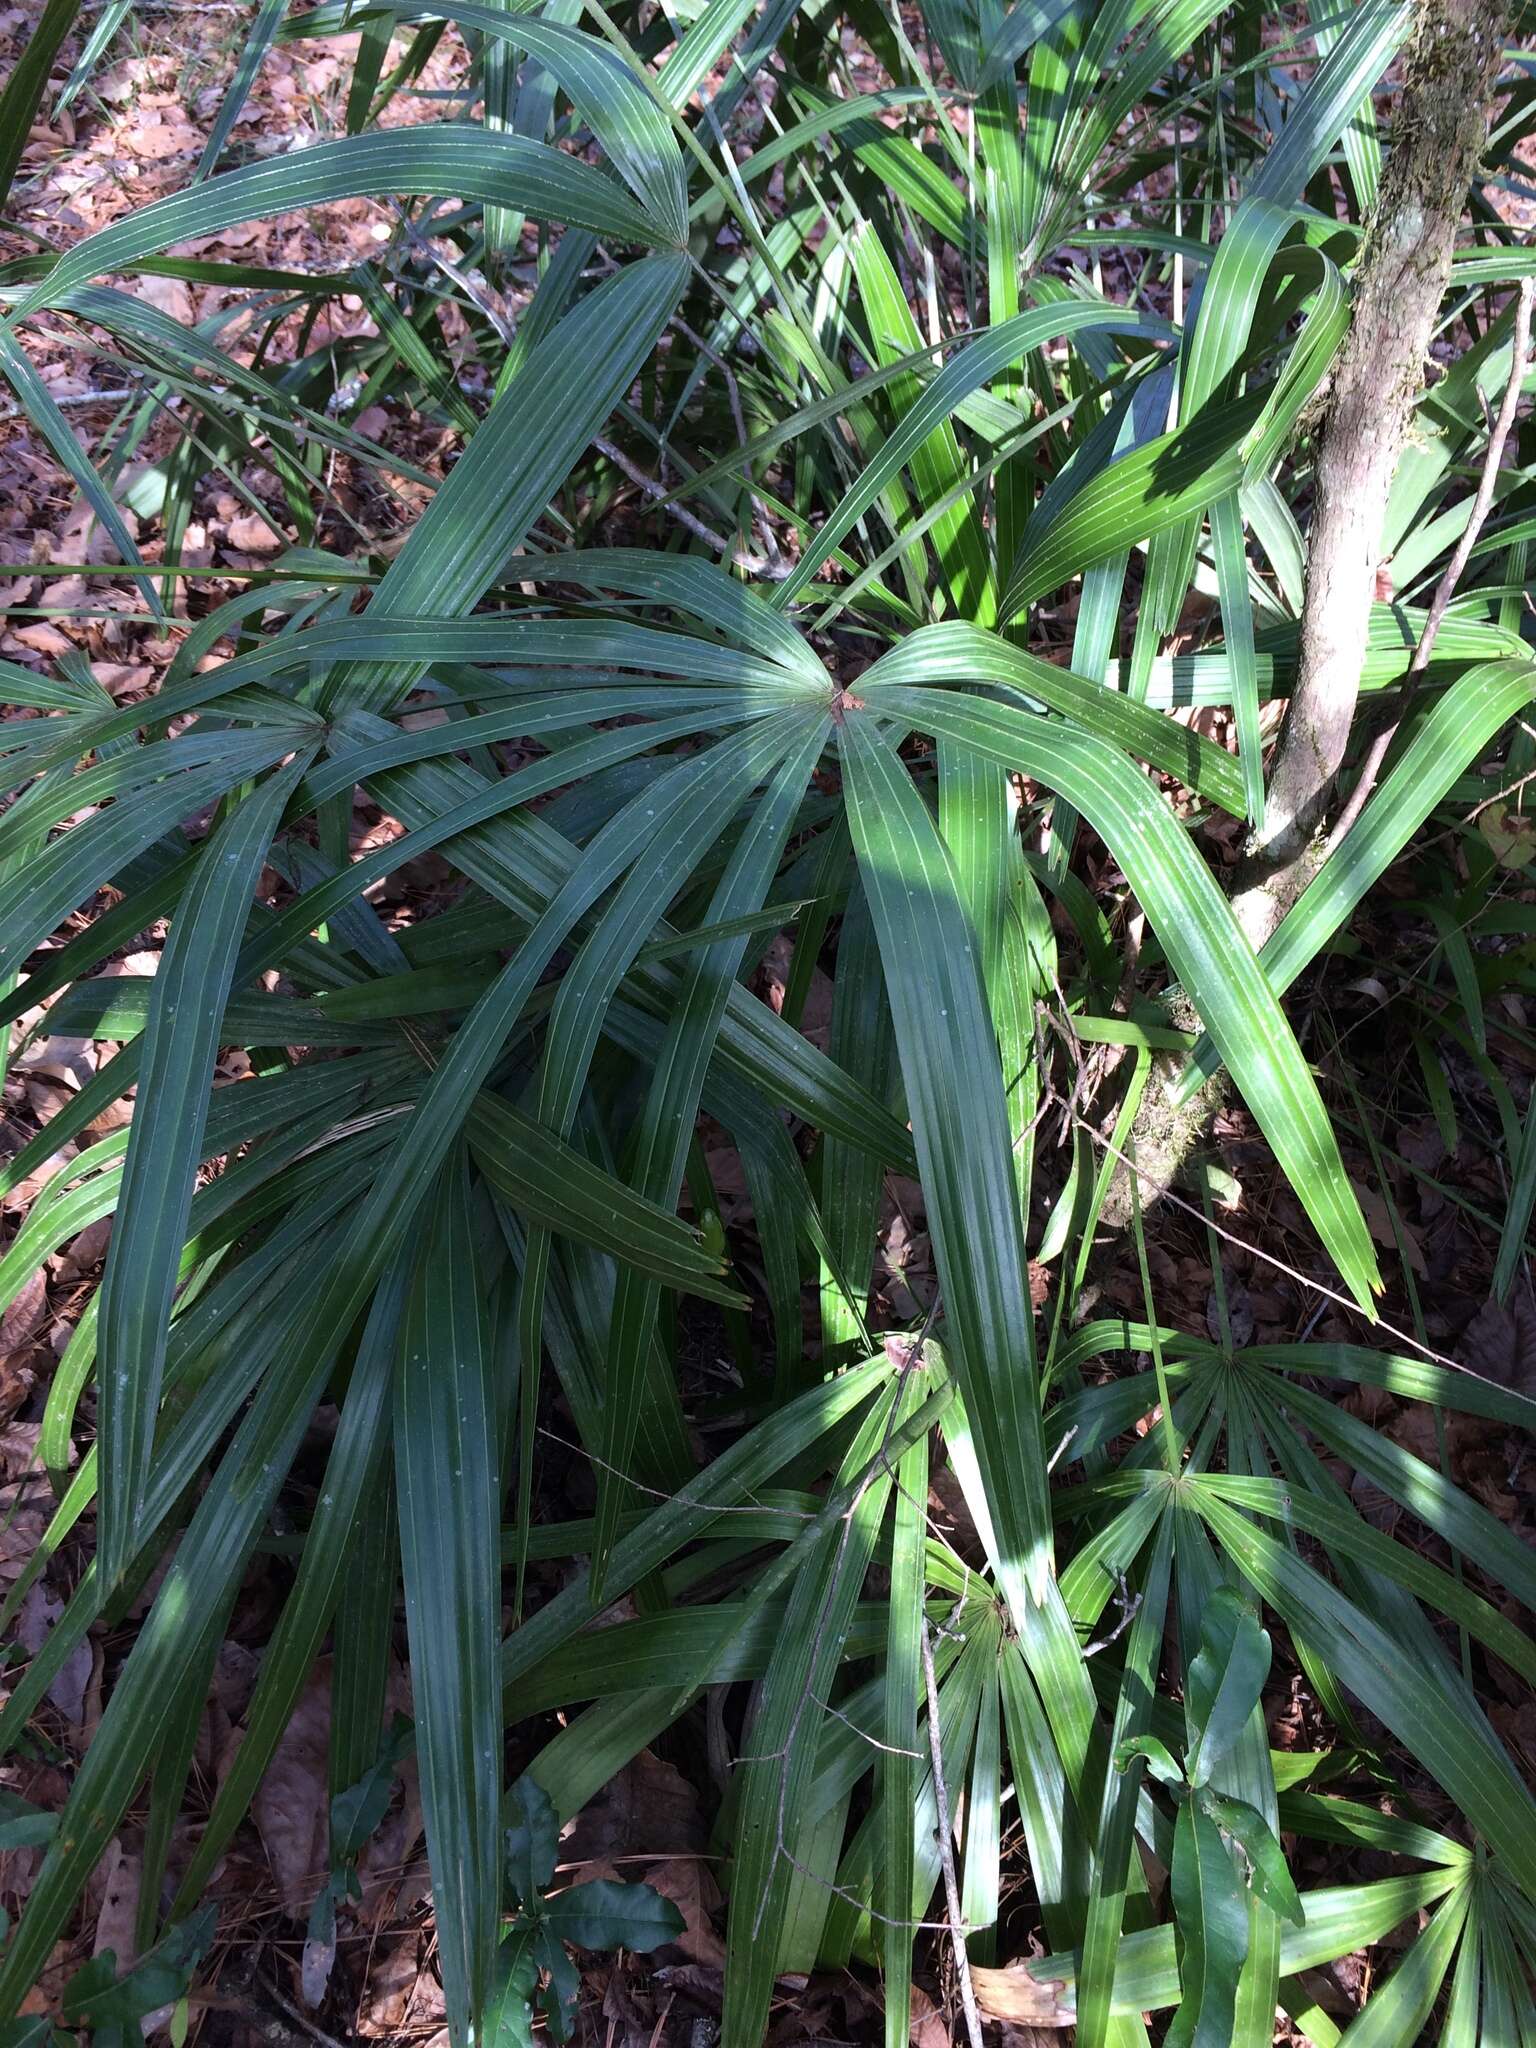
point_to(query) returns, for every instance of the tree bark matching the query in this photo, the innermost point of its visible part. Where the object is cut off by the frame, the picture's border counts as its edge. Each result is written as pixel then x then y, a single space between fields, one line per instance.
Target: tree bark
pixel 1451 62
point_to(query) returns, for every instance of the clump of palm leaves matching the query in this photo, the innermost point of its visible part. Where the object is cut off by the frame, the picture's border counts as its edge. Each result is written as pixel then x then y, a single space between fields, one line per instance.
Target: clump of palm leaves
pixel 788 405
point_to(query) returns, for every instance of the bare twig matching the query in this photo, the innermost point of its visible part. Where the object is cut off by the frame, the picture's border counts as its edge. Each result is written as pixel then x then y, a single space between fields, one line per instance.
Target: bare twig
pixel 947 1848
pixel 750 1507
pixel 17 412
pixel 1256 1251
pixel 1149 1178
pixel 1128 1603
pixel 1498 436
pixel 1509 789
pixel 853 1898
pixel 474 287
pixel 1482 504
pixel 888 1748
pixel 733 398
pixel 659 494
pixel 755 565
pixel 300 2019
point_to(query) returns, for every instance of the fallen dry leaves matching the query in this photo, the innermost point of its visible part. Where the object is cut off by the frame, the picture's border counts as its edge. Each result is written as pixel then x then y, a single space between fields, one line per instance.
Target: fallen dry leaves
pixel 1015 1994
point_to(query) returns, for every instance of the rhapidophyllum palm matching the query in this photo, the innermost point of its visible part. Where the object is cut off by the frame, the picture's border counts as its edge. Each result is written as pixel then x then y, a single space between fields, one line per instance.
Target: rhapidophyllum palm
pixel 805 693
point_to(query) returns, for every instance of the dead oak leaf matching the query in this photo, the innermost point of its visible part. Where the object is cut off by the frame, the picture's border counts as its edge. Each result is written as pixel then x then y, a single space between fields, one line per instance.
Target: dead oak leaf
pixel 690 1884
pixel 291 1808
pixel 22 1323
pixel 1500 1343
pixel 35 1622
pixel 120 1873
pixel 648 1809
pixel 253 535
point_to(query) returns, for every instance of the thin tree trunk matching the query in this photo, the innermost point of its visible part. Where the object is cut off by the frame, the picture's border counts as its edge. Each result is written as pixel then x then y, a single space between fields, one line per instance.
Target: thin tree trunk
pixel 1452 61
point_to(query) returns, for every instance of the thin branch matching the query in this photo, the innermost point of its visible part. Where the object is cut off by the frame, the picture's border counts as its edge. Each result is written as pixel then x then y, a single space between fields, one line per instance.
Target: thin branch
pixel 1256 1251
pixel 659 494
pixel 300 2019
pixel 1482 504
pixel 853 1898
pixel 755 565
pixel 473 286
pixel 733 398
pixel 18 412
pixel 750 1507
pixel 888 1748
pixel 1128 1603
pixel 1510 789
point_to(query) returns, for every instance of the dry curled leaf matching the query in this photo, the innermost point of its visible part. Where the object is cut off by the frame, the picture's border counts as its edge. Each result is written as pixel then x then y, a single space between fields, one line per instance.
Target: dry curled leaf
pixel 690 1884
pixel 253 535
pixel 1015 1994
pixel 398 1982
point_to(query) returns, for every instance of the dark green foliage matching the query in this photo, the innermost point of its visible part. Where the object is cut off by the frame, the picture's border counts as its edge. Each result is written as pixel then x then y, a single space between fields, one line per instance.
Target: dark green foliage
pixel 879 653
